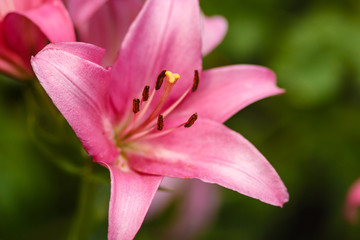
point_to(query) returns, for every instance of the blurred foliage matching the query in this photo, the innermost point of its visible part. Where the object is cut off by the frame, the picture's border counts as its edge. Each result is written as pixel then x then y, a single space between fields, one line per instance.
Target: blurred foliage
pixel 310 134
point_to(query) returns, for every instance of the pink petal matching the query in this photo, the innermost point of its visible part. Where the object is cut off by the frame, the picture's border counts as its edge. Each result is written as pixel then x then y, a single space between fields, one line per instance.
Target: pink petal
pixel 7 6
pixel 199 203
pixel 131 195
pixel 165 34
pixel 214 30
pixel 198 209
pixel 52 19
pixel 213 153
pixel 81 11
pixel 11 63
pixel 163 198
pixel 10 69
pixel 22 37
pixel 353 202
pixel 27 28
pixel 108 25
pixel 78 87
pixel 85 51
pixel 224 91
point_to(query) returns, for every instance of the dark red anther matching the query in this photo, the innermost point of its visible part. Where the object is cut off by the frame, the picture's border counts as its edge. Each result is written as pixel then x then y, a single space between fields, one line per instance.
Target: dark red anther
pixel 145 93
pixel 136 105
pixel 160 79
pixel 196 80
pixel 191 120
pixel 160 122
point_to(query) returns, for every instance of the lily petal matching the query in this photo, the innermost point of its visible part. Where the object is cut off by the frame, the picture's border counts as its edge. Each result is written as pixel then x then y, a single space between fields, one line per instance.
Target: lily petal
pixel 131 196
pixel 85 51
pixel 212 153
pixel 214 30
pixel 224 91
pixel 163 198
pixel 81 11
pixel 352 202
pixel 10 62
pixel 78 87
pixel 198 209
pixel 199 204
pixel 165 34
pixel 108 25
pixel 23 37
pixel 51 17
pixel 17 5
pixel 12 70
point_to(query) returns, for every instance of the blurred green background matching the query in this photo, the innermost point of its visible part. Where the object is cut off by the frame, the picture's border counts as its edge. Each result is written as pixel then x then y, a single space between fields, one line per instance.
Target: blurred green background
pixel 311 134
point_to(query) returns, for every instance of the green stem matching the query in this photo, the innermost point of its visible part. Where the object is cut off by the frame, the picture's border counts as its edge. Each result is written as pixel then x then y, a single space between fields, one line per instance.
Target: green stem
pixel 81 225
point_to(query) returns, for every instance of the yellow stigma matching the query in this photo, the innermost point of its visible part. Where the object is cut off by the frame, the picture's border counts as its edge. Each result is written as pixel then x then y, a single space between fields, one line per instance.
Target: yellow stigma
pixel 172 77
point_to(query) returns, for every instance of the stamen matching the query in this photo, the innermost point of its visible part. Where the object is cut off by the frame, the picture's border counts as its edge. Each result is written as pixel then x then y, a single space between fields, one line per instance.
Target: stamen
pixel 129 129
pixel 147 104
pixel 138 135
pixel 160 79
pixel 160 122
pixel 158 134
pixel 196 80
pixel 148 135
pixel 136 105
pixel 171 79
pixel 139 128
pixel 191 120
pixel 175 104
pixel 145 93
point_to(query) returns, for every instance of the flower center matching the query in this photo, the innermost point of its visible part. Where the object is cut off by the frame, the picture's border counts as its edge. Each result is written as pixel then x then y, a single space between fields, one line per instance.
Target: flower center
pixel 145 124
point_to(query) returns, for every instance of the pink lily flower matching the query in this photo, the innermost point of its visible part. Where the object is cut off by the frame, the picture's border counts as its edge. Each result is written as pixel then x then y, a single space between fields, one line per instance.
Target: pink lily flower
pixel 352 202
pixel 25 28
pixel 143 122
pixel 105 23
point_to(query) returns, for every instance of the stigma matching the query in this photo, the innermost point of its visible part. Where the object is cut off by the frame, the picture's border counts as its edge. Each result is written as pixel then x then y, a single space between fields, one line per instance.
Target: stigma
pixel 171 77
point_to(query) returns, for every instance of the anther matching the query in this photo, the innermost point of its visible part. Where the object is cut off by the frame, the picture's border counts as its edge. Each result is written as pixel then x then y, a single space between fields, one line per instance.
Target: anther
pixel 191 120
pixel 196 80
pixel 145 93
pixel 160 79
pixel 136 105
pixel 160 122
